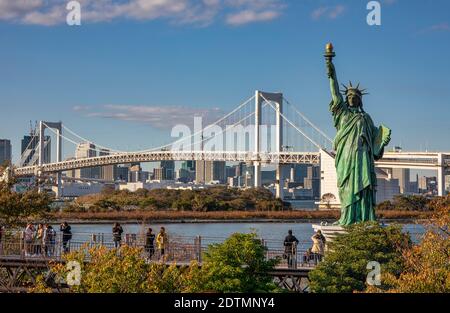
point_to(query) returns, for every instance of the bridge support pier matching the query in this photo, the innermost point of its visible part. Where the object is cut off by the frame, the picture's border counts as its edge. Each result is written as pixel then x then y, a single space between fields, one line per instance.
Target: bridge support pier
pixel 277 98
pixel 257 174
pixel 58 130
pixel 256 163
pixel 441 175
pixel 279 186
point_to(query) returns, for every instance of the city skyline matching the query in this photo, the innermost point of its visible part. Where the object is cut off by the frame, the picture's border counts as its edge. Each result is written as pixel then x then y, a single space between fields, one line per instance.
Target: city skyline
pixel 119 82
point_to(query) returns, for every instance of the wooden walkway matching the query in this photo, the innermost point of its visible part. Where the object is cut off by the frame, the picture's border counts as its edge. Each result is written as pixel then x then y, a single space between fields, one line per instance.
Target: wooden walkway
pixel 18 269
pixel 19 274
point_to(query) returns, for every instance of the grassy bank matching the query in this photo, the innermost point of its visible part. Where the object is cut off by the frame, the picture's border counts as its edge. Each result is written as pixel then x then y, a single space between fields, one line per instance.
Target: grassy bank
pixel 140 215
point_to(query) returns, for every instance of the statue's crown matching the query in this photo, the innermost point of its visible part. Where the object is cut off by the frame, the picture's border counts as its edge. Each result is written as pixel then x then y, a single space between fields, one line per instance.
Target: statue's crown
pixel 351 89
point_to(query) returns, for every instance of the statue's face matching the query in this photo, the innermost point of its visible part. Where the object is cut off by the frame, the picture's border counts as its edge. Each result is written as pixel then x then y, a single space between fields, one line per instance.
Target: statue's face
pixel 354 100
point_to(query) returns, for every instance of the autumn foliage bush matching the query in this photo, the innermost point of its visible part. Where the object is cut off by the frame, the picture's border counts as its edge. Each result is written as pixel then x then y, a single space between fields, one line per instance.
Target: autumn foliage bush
pixel 236 265
pixel 210 199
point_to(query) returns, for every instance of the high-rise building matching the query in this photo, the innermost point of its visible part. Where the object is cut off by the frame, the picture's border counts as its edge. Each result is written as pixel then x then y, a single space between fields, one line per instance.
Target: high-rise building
pixel 70 173
pixel 208 171
pixel 447 183
pixel 5 151
pixel 30 150
pixel 187 171
pixel 135 173
pixel 188 165
pixel 200 168
pixel 427 184
pixel 268 177
pixel 312 180
pixel 230 171
pixel 121 173
pixel 87 150
pixel 240 169
pixel 106 171
pixel 402 174
pixel 159 173
pixel 169 168
pixel 422 183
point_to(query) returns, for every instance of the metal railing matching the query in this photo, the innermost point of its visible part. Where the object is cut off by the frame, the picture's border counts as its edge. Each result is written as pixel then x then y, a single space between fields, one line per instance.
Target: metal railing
pixel 180 249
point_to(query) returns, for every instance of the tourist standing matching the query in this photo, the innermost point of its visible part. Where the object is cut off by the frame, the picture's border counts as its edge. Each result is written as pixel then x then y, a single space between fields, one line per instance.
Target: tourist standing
pixel 117 234
pixel 162 240
pixel 29 238
pixel 66 236
pixel 290 248
pixel 39 240
pixel 49 240
pixel 318 248
pixel 150 243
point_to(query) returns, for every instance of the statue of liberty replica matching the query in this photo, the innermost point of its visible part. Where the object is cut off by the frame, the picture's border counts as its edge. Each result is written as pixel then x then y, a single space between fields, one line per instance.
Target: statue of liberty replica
pixel 358 144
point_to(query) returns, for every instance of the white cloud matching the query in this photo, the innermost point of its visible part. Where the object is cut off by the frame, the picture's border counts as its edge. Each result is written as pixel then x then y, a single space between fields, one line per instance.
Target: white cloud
pixel 11 9
pixel 201 12
pixel 155 116
pixel 441 27
pixel 79 108
pixel 249 16
pixel 330 12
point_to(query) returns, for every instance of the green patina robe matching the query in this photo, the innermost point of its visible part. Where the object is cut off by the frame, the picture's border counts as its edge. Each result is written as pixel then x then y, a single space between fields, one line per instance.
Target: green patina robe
pixel 354 146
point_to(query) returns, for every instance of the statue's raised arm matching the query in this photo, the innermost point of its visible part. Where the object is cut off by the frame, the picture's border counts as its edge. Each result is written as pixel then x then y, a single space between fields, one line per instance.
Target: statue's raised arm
pixel 334 85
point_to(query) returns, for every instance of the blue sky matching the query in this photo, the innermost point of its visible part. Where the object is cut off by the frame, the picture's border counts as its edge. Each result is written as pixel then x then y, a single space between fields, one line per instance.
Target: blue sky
pixel 131 62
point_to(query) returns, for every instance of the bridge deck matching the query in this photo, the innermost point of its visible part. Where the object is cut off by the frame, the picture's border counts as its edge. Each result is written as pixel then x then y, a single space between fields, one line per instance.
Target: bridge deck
pixel 390 159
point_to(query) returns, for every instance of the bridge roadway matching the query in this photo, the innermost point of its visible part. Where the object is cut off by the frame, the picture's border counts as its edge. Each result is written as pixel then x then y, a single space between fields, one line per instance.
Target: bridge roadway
pixel 415 160
pixel 124 158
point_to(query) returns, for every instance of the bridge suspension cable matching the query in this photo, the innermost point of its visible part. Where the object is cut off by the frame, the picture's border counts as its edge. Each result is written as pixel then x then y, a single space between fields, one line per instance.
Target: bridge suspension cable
pixel 163 147
pixel 86 140
pixel 227 127
pixel 200 131
pixel 24 156
pixel 292 124
pixel 308 121
pixel 68 139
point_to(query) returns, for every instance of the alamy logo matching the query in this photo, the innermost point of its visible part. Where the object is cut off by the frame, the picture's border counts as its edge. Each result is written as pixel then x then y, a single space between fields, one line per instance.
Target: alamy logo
pixel 374 276
pixel 74 274
pixel 374 16
pixel 74 15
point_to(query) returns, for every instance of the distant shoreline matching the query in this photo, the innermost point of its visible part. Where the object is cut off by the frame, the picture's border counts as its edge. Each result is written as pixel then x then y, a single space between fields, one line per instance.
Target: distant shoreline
pixel 180 217
pixel 259 221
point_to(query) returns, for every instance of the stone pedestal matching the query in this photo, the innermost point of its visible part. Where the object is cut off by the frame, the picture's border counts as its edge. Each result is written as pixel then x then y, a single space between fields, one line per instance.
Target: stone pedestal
pixel 328 231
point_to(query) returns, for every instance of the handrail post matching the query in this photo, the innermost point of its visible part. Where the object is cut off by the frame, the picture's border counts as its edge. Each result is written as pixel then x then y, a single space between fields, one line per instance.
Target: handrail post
pixel 295 255
pixel 22 245
pixel 199 249
pixel 263 243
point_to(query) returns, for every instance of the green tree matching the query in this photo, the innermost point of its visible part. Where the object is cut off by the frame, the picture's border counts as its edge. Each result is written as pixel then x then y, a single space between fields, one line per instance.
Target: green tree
pixel 344 268
pixel 16 207
pixel 238 265
pixel 427 264
pixel 411 203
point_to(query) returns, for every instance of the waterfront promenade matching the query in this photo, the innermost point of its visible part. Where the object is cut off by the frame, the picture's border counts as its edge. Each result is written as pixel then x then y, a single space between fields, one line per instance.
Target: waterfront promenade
pixel 19 260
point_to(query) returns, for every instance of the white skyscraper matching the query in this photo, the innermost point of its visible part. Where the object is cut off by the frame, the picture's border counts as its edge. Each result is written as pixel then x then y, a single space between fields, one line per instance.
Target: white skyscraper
pixel 86 150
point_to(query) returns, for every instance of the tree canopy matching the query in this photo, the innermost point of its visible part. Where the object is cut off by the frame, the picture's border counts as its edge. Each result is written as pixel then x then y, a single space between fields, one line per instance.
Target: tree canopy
pixel 16 208
pixel 237 265
pixel 344 268
pixel 218 198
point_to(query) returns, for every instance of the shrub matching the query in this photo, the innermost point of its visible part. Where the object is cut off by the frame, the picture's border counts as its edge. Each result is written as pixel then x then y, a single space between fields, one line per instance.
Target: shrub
pixel 238 265
pixel 344 266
